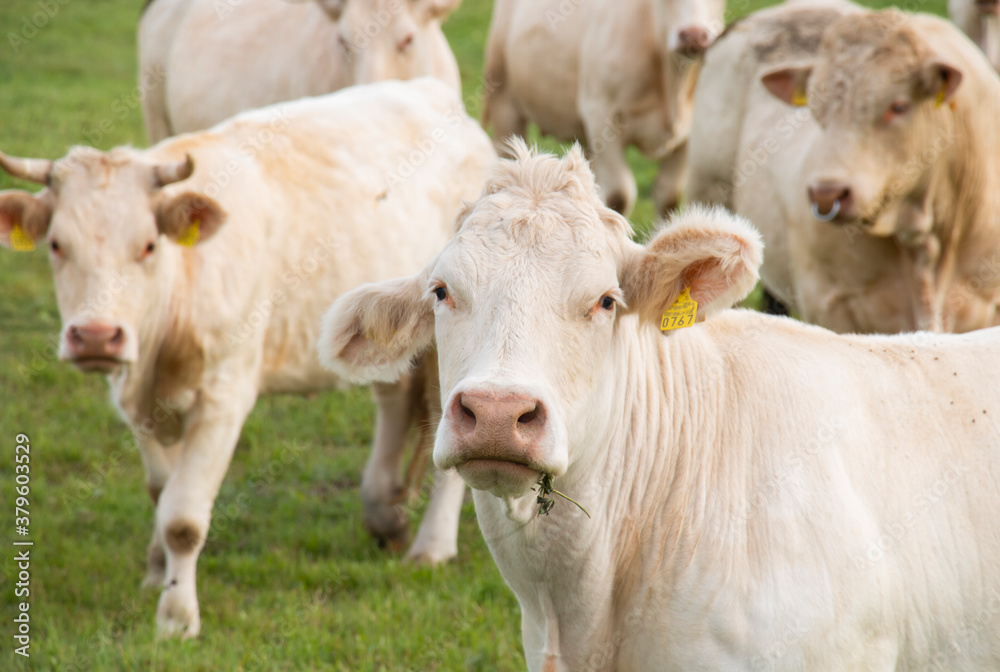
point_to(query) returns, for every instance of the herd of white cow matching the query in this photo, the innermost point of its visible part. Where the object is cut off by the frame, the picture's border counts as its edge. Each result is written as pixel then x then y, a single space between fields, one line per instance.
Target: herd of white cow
pixel 760 493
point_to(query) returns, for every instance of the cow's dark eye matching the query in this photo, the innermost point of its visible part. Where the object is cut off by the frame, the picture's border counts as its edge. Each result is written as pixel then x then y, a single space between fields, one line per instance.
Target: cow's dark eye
pixel 897 109
pixel 607 303
pixel 441 293
pixel 54 246
pixel 150 246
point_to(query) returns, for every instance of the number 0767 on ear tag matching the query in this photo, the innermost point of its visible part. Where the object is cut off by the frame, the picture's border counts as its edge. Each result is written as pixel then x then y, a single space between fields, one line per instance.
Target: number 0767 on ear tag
pixel 681 314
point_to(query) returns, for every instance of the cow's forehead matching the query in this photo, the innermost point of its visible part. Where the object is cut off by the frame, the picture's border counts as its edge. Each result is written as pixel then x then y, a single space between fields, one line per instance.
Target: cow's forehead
pixel 552 230
pixel 100 191
pixel 85 166
pixel 540 207
pixel 869 50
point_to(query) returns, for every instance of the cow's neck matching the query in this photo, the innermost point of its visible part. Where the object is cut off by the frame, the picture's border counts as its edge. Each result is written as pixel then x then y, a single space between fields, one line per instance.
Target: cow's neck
pixel 575 576
pixel 145 392
pixel 671 455
pixel 962 194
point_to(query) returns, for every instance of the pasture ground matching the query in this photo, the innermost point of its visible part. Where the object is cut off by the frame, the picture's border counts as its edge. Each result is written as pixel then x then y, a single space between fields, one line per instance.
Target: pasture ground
pixel 289 580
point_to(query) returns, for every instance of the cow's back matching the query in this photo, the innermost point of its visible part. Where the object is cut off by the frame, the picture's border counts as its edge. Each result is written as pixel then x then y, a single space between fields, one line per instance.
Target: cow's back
pixel 852 514
pixel 348 188
pixel 230 57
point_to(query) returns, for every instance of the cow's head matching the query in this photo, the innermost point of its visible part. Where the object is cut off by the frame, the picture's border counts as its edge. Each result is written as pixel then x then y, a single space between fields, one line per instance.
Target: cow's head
pixel 885 103
pixel 389 39
pixel 531 304
pixel 689 26
pixel 106 221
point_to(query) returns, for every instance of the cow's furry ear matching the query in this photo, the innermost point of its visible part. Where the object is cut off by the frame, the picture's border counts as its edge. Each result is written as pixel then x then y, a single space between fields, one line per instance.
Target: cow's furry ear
pixel 333 7
pixel 788 84
pixel 940 81
pixel 374 332
pixel 714 253
pixel 24 218
pixel 189 217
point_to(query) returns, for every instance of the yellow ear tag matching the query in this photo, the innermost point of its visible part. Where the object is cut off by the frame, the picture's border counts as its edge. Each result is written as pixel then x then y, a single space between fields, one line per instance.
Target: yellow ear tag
pixel 20 241
pixel 799 98
pixel 681 314
pixel 940 98
pixel 190 237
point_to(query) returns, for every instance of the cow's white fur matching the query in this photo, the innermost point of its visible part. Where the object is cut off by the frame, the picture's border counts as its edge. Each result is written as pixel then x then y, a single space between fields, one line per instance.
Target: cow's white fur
pixel 203 61
pixel 765 494
pixel 305 200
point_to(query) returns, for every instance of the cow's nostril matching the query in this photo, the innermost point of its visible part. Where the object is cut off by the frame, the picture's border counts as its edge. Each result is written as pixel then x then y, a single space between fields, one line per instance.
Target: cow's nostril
pixel 468 412
pixel 74 336
pixel 528 417
pixel 118 337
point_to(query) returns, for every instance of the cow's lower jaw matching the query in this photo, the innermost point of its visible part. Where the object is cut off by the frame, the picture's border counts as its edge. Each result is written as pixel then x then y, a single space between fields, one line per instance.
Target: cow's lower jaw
pixel 502 478
pixel 105 365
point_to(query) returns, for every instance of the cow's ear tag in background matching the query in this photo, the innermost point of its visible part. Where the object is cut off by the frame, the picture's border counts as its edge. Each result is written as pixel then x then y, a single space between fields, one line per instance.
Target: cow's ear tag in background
pixel 681 314
pixel 21 241
pixel 940 97
pixel 799 98
pixel 190 237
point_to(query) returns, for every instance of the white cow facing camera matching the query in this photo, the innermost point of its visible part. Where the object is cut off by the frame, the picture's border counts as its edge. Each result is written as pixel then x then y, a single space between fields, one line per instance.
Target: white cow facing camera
pixel 738 472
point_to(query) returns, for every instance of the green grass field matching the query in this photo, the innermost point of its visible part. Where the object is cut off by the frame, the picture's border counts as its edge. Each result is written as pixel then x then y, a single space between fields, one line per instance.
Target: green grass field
pixel 288 580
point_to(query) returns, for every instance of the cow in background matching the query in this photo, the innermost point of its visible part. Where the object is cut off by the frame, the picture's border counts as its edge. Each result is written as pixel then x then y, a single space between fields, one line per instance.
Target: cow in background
pixel 203 61
pixel 865 147
pixel 607 73
pixel 194 274
pixel 980 21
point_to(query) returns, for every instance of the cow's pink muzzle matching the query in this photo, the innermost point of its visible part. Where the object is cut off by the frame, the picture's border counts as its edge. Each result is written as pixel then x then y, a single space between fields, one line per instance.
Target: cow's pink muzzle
pixel 95 347
pixel 497 439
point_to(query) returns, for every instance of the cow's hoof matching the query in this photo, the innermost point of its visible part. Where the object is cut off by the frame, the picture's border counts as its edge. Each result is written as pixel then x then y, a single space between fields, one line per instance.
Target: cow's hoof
pixel 669 207
pixel 177 613
pixel 430 556
pixel 392 544
pixel 154 578
pixel 389 525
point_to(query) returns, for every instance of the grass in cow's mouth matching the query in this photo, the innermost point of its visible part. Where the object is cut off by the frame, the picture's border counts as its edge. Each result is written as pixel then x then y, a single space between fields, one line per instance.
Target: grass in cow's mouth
pixel 544 490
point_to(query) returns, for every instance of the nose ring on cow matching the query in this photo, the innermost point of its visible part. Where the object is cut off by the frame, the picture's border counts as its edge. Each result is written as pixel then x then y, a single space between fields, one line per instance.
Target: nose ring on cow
pixel 834 211
pixel 833 198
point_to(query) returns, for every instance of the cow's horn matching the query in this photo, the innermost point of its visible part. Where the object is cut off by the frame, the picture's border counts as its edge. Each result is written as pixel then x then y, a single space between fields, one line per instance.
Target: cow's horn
pixel 33 170
pixel 168 173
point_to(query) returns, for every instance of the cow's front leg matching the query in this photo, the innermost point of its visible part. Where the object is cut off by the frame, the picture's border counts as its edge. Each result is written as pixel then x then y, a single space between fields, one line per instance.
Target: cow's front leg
pixel 505 117
pixel 670 180
pixel 159 462
pixel 185 507
pixel 437 538
pixel 381 486
pixel 606 149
